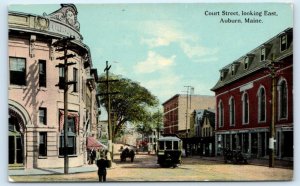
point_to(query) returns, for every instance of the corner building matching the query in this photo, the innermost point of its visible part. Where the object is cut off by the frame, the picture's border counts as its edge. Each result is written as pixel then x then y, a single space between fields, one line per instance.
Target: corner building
pixel 244 100
pixel 36 99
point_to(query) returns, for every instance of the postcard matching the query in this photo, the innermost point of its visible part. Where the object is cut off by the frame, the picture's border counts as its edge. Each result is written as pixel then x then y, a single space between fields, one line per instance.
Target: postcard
pixel 150 92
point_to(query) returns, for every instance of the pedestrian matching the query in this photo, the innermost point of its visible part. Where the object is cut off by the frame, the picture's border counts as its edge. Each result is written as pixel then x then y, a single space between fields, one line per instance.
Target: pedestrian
pixel 92 156
pixel 102 164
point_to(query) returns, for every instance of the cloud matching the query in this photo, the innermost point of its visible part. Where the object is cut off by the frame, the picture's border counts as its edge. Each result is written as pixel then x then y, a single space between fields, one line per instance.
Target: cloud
pixel 154 62
pixel 197 51
pixel 162 34
pixel 164 85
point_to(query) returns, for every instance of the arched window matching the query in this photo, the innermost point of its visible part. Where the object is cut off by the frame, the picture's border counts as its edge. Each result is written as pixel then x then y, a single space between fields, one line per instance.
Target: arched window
pixel 261 104
pixel 220 114
pixel 245 101
pixel 282 99
pixel 232 111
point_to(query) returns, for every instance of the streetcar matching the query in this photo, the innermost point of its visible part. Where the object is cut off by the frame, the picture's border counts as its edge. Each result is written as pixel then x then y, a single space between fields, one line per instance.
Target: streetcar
pixel 169 149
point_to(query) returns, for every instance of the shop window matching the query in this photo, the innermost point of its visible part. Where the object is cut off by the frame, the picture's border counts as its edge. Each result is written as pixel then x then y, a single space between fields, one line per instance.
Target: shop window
pixel 71 150
pixel 43 144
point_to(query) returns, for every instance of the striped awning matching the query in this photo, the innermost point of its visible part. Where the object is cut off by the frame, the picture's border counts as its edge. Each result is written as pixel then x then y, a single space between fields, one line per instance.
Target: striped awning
pixel 92 143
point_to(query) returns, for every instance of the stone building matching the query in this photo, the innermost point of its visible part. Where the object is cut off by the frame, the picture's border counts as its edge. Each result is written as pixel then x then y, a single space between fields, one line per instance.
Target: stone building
pixel 36 97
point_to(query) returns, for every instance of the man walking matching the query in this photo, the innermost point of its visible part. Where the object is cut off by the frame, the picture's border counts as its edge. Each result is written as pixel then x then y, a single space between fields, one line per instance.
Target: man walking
pixel 102 164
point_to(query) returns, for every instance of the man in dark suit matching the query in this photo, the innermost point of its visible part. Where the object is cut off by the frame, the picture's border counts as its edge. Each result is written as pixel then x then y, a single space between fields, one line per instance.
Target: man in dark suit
pixel 102 164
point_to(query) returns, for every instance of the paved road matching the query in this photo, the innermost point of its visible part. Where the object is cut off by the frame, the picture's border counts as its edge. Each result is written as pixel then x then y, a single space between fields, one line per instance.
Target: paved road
pixel 144 168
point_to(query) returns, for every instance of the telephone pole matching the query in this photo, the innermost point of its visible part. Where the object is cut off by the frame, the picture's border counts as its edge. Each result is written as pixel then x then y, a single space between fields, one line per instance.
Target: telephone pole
pixel 63 45
pixel 108 93
pixel 272 70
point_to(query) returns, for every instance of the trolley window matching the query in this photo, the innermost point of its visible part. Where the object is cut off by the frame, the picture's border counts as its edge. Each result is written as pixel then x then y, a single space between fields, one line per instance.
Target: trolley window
pixel 161 145
pixel 168 144
pixel 175 143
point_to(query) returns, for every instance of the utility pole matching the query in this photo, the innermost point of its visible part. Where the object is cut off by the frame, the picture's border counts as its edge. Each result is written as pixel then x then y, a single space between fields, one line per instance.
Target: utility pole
pixel 272 69
pixel 272 124
pixel 63 45
pixel 108 93
pixel 188 91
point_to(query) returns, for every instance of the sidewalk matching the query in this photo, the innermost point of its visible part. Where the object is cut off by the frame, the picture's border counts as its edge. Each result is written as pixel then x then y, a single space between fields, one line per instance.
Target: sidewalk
pixel 261 161
pixel 45 171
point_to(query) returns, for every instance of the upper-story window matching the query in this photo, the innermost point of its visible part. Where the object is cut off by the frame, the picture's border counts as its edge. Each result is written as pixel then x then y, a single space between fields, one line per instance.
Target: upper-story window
pixel 232 70
pixel 245 100
pixel 17 70
pixel 283 42
pixel 246 63
pixel 263 54
pixel 75 78
pixel 282 99
pixel 42 73
pixel 220 114
pixel 261 105
pixel 61 77
pixel 43 115
pixel 232 111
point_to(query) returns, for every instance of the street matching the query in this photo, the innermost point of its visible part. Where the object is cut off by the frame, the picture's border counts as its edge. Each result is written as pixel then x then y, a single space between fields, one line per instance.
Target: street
pixel 144 168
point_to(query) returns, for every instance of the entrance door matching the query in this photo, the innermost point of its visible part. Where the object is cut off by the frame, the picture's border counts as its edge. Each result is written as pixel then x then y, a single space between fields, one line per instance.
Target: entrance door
pixel 15 143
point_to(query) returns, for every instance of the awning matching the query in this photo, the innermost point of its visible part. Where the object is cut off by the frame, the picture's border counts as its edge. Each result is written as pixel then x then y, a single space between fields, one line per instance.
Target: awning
pixel 92 143
pixel 70 114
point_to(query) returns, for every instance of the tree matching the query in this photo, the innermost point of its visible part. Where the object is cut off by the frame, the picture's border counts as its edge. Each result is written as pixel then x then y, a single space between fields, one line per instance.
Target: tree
pixel 132 104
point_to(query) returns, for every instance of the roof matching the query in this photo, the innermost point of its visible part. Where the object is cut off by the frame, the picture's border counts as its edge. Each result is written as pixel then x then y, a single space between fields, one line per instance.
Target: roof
pixel 169 138
pixel 255 63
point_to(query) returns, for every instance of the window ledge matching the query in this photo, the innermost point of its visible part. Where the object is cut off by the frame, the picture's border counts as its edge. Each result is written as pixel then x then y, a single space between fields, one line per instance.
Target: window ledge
pixel 43 157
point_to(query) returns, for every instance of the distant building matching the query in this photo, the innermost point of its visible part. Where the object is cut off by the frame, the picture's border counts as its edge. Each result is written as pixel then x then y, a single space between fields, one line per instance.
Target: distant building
pixel 175 109
pixel 35 91
pixel 244 99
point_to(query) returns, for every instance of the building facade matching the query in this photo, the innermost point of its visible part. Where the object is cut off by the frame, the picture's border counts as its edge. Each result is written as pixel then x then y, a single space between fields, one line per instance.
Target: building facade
pixel 175 119
pixel 244 99
pixel 36 95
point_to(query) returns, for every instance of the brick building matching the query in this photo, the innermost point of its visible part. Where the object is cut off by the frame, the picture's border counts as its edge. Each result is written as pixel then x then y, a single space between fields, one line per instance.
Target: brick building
pixel 36 103
pixel 244 99
pixel 175 119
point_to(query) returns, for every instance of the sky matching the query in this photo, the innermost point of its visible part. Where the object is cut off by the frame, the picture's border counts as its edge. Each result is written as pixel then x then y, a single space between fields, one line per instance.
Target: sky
pixel 166 47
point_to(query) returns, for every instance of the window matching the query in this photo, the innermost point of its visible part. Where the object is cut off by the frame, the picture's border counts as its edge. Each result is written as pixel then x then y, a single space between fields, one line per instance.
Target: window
pixel 245 100
pixel 17 69
pixel 232 111
pixel 43 144
pixel 261 105
pixel 220 114
pixel 246 63
pixel 75 78
pixel 283 42
pixel 263 54
pixel 61 77
pixel 42 73
pixel 43 115
pixel 232 69
pixel 71 139
pixel 282 94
